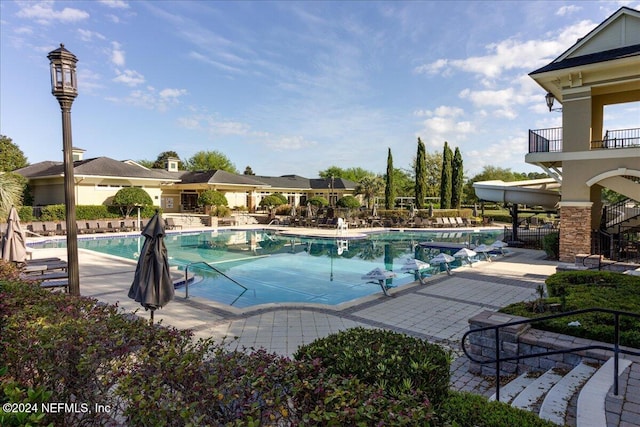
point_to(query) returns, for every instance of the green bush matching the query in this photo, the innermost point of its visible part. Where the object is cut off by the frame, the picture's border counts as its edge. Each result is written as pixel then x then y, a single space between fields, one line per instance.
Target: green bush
pixel 90 212
pixel 53 213
pixel 466 409
pixel 318 201
pixel 212 198
pixel 25 213
pixel 349 202
pixel 575 290
pixel 551 245
pixel 394 362
pixel 220 211
pixel 129 198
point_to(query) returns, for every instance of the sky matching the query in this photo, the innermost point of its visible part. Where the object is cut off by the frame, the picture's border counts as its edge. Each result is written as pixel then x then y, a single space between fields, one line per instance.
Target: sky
pixel 292 87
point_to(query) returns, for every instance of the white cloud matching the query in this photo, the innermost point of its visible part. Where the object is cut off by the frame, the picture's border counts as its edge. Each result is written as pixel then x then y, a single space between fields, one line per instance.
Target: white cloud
pixel 129 77
pixel 88 35
pixel 44 13
pixel 117 54
pixel 286 143
pixel 115 4
pixel 511 54
pixel 172 93
pixel 567 10
pixel 443 124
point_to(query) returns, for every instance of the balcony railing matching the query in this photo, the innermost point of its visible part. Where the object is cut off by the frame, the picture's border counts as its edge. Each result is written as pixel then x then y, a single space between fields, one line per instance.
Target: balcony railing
pixel 550 140
pixel 545 140
pixel 624 138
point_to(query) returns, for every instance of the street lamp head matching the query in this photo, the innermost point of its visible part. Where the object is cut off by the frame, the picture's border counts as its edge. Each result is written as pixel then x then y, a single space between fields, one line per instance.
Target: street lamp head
pixel 64 85
pixel 549 98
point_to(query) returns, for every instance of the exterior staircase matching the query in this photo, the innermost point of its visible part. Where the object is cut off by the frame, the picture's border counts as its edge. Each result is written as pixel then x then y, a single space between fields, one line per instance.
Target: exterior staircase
pixel 581 397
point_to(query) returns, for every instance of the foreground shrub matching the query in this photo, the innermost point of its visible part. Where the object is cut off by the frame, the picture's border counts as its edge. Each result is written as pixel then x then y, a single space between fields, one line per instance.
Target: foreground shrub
pixel 466 409
pixel 394 362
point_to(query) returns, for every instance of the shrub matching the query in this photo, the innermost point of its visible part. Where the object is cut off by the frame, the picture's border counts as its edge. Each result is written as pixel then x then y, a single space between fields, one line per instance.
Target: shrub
pixel 466 409
pixel 53 213
pixel 212 198
pixel 129 197
pixel 318 201
pixel 273 200
pixel 25 213
pixel 586 289
pixel 220 211
pixel 551 245
pixel 94 212
pixel 394 362
pixel 348 202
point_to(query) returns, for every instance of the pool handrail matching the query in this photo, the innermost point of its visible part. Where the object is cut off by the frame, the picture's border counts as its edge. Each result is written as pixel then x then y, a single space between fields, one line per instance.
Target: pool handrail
pixel 186 275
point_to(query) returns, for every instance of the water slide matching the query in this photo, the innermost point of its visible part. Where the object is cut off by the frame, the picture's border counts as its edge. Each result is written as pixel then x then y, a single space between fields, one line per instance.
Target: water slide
pixel 535 192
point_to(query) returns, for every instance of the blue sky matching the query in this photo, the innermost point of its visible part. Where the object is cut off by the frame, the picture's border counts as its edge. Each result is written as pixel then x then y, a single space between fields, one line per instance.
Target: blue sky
pixel 291 87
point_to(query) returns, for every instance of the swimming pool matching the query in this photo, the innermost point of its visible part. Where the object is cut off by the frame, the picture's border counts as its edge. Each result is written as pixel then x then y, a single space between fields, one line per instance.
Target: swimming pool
pixel 280 268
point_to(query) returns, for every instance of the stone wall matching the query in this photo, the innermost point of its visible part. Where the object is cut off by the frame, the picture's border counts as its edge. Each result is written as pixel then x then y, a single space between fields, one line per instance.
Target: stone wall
pixel 575 232
pixel 523 340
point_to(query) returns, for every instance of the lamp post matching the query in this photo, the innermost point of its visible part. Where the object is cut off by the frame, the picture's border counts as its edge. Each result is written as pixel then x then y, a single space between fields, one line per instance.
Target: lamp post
pixel 64 88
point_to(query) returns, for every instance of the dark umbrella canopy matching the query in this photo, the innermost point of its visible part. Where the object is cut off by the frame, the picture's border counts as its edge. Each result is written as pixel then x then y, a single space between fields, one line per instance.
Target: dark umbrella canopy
pixel 14 247
pixel 152 284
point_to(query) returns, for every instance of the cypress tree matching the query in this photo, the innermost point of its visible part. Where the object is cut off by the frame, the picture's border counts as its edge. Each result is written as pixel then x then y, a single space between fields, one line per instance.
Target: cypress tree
pixel 457 180
pixel 421 175
pixel 389 189
pixel 445 181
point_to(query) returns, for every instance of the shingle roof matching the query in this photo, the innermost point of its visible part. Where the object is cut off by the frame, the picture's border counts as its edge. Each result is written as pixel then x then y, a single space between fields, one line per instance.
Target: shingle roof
pixel 99 166
pixel 218 177
pixel 593 58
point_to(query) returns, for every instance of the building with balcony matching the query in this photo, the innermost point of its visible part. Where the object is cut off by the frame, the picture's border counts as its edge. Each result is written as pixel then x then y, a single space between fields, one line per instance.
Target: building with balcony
pixel 600 69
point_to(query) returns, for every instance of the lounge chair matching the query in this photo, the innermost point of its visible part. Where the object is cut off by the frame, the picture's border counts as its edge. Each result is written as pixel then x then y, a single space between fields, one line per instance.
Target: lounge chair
pixel 459 222
pixel 37 227
pixel 97 226
pixel 440 222
pixel 171 224
pixel 50 228
pixel 83 227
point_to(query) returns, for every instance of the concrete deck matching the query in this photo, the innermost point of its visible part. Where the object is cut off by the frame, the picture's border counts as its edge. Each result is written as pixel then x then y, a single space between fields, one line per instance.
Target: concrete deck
pixel 438 311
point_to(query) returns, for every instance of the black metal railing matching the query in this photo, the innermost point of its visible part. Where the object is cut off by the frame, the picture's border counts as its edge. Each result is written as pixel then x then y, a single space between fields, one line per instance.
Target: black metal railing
pixel 550 140
pixel 212 268
pixel 530 237
pixel 615 347
pixel 621 138
pixel 545 140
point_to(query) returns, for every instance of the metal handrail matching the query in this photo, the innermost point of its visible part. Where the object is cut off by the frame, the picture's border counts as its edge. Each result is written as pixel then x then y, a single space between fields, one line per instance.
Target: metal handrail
pixel 186 277
pixel 498 360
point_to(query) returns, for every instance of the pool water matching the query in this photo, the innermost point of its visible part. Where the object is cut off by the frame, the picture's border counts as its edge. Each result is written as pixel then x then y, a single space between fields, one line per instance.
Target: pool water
pixel 276 268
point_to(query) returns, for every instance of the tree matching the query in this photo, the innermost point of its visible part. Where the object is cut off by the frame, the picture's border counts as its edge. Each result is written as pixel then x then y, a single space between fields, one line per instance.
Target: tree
pixel 318 201
pixel 161 160
pixel 348 202
pixel 457 180
pixel 11 188
pixel 273 200
pixel 210 160
pixel 369 186
pixel 129 198
pixel 421 175
pixel 212 198
pixel 248 171
pixel 445 181
pixel 11 156
pixel 389 188
pixel 352 174
pixel 403 182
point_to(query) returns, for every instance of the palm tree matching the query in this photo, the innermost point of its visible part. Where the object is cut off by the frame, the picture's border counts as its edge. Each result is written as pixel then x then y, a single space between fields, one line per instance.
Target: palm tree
pixel 10 193
pixel 370 186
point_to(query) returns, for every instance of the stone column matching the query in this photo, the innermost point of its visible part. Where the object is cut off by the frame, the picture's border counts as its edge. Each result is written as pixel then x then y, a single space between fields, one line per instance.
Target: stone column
pixel 575 230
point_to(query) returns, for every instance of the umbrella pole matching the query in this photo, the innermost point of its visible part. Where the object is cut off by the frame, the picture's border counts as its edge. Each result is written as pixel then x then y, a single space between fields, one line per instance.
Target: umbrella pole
pixel 152 311
pixel 383 287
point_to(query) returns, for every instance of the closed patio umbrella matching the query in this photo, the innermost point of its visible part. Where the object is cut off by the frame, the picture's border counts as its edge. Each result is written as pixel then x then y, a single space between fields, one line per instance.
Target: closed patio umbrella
pixel 381 276
pixel 465 253
pixel 443 258
pixel 14 247
pixel 152 284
